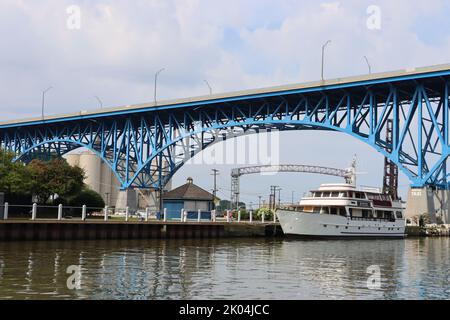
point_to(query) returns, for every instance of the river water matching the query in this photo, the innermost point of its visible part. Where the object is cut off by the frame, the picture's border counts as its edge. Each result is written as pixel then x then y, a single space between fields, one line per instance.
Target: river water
pixel 226 269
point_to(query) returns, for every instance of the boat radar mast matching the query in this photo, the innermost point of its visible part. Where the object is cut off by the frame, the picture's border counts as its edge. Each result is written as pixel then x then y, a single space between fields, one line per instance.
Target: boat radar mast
pixel 351 172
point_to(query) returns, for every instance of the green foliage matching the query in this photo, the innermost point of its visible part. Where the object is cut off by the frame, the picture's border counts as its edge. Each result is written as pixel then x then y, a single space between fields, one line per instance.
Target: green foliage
pixel 54 177
pixel 87 197
pixel 14 179
pixel 225 205
pixel 268 214
pixel 40 179
pixel 424 219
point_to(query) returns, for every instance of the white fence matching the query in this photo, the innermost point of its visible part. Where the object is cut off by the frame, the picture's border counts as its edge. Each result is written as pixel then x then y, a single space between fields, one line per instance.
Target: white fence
pixel 41 212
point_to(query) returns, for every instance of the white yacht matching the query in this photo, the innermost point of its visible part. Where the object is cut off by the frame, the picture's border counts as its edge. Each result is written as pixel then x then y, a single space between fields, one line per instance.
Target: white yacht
pixel 341 210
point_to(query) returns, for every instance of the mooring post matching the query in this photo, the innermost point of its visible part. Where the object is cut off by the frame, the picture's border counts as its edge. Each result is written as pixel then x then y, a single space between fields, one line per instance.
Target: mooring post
pixel 34 211
pixel 182 215
pixel 239 216
pixel 228 215
pixel 147 213
pixel 263 217
pixel 60 211
pixel 83 213
pixel 165 215
pixel 127 213
pixel 199 217
pixel 251 216
pixel 5 211
pixel 106 213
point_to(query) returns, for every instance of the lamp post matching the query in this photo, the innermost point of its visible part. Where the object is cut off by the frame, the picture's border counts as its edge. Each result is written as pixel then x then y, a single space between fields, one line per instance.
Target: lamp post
pixel 323 55
pixel 210 89
pixel 43 100
pixel 156 80
pixel 99 101
pixel 368 64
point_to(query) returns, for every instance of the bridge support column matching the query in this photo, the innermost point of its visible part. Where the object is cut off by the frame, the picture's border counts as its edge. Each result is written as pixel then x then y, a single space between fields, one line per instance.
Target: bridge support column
pixel 127 198
pixel 435 203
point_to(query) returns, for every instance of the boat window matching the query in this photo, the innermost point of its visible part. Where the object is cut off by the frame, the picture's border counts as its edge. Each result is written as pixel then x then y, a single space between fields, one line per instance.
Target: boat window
pixel 350 194
pixel 316 209
pixel 333 210
pixel 324 210
pixel 365 213
pixel 399 215
pixel 342 194
pixel 308 209
pixel 325 194
pixel 335 194
pixel 342 212
pixel 359 195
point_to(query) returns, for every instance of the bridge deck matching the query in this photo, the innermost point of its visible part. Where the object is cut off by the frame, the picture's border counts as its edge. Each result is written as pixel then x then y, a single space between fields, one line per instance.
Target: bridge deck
pixel 434 73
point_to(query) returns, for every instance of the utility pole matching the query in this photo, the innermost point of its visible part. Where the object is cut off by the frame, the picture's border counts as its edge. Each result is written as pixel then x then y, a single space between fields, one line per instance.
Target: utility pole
pixel 259 202
pixel 215 173
pixel 293 197
pixel 279 197
pixel 272 199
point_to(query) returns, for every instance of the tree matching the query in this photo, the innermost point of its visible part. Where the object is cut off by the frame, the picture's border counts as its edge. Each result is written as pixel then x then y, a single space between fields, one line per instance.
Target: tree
pixel 14 179
pixel 88 197
pixel 54 177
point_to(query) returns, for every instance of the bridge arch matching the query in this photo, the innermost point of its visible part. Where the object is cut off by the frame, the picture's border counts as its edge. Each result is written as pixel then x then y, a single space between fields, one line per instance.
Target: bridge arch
pixel 225 134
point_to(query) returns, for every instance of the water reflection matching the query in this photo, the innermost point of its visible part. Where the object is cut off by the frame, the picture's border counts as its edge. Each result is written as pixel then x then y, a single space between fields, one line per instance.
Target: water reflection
pixel 226 269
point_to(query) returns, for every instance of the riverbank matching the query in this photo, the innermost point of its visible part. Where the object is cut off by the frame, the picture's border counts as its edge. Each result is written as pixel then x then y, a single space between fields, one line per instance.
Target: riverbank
pixel 428 231
pixel 101 230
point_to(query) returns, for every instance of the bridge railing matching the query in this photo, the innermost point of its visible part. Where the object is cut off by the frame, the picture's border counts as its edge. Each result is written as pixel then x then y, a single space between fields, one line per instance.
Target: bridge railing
pixel 37 212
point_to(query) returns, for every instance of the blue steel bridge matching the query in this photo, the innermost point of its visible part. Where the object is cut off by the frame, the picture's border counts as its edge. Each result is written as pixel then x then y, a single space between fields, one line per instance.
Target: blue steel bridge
pixel 146 144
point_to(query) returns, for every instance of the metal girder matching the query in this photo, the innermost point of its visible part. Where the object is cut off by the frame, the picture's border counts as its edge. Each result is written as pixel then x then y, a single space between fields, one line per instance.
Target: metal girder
pixel 347 174
pixel 144 149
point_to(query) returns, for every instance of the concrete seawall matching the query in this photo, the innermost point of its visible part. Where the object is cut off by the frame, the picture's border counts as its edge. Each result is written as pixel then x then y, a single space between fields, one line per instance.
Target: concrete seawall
pixel 78 230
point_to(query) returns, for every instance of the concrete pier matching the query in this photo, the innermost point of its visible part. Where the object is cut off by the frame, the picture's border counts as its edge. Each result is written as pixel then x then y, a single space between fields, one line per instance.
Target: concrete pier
pixel 435 203
pixel 101 230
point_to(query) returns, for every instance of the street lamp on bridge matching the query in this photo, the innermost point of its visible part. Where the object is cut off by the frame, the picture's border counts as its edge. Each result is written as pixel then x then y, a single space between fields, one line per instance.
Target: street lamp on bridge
pixel 43 100
pixel 210 89
pixel 368 64
pixel 99 102
pixel 323 55
pixel 156 80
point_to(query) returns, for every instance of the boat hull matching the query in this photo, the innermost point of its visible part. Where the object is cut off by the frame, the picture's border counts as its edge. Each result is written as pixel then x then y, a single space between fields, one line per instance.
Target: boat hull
pixel 333 226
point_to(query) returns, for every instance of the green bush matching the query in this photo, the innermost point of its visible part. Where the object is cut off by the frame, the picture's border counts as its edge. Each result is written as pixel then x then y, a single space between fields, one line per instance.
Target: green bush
pixel 268 214
pixel 88 197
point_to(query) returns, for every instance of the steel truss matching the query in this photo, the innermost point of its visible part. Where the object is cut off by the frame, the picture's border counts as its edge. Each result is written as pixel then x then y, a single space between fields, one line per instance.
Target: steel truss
pixel 347 174
pixel 146 147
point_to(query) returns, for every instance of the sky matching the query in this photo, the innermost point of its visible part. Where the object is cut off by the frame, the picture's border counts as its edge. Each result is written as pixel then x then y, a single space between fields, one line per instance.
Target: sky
pixel 115 47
